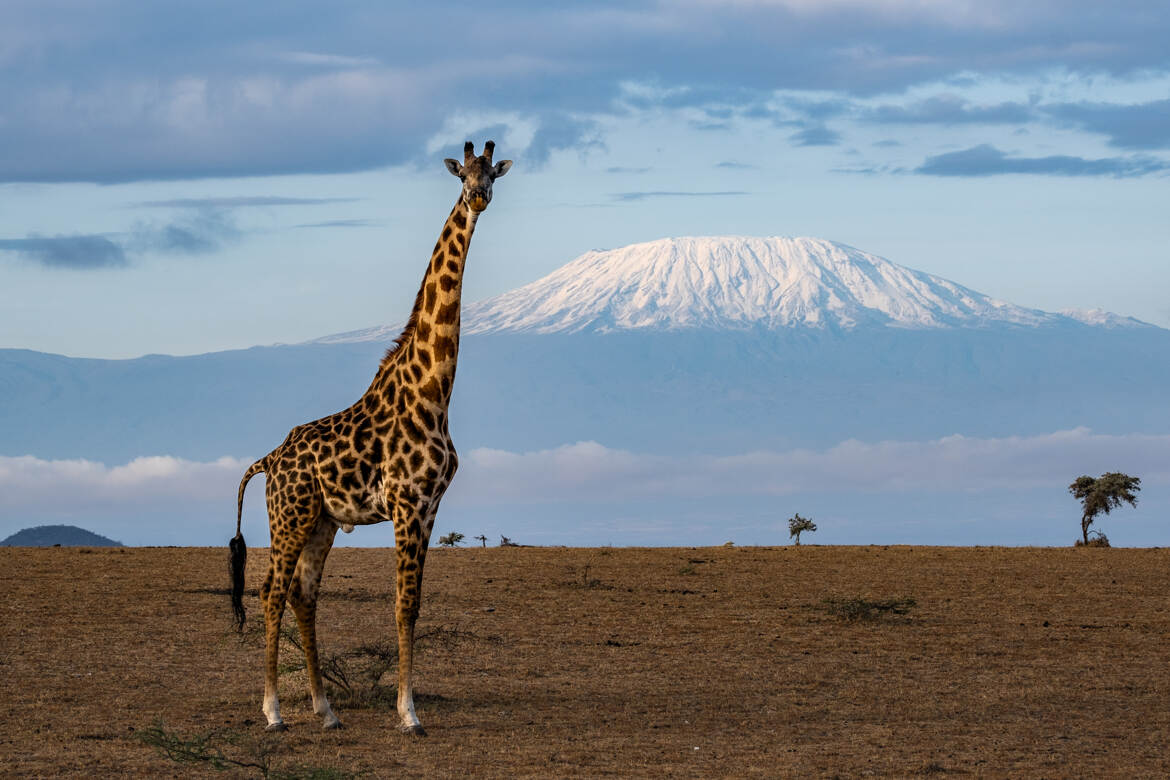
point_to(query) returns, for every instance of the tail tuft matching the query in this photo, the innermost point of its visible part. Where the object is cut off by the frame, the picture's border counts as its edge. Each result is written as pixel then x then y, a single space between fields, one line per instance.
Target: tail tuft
pixel 237 560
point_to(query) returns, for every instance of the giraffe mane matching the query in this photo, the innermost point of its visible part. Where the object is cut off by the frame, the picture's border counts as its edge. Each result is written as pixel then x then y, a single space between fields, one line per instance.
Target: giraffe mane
pixel 407 332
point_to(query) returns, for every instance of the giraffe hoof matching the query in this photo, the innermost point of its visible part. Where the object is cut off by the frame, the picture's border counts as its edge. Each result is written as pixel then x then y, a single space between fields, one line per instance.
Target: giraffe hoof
pixel 334 725
pixel 415 731
pixel 278 726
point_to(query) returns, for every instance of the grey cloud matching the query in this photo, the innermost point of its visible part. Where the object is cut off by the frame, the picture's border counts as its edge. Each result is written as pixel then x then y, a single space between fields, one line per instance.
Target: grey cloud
pixel 735 166
pixel 559 132
pixel 239 202
pixel 986 160
pixel 632 196
pixel 1132 126
pixel 342 223
pixel 109 93
pixel 203 231
pixel 950 110
pixel 816 135
pixel 81 252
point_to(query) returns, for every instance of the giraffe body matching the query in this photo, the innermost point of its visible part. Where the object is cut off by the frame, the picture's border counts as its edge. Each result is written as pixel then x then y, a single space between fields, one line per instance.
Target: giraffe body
pixel 389 457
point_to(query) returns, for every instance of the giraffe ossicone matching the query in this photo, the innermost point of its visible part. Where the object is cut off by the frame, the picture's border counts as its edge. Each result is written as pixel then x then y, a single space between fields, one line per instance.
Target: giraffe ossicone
pixel 389 457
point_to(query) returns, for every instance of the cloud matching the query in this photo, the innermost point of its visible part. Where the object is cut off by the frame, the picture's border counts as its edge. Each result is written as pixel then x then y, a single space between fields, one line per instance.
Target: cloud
pixel 949 110
pixel 79 252
pixel 203 231
pixel 71 485
pixel 735 166
pixel 1129 126
pixel 988 473
pixel 238 202
pixel 632 196
pixel 593 473
pixel 558 132
pixel 986 160
pixel 816 135
pixel 342 223
pixel 252 90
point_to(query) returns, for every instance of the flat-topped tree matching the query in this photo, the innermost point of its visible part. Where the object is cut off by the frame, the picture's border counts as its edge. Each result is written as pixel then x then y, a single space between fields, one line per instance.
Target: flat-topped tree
pixel 389 457
pixel 1102 495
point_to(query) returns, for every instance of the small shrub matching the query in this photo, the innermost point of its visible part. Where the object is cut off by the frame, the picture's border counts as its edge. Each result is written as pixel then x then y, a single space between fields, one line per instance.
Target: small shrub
pixel 224 749
pixel 688 569
pixel 506 542
pixel 1097 540
pixel 451 540
pixel 857 609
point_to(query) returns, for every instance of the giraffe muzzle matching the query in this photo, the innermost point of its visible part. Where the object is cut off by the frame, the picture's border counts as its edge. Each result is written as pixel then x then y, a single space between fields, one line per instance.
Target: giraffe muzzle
pixel 477 202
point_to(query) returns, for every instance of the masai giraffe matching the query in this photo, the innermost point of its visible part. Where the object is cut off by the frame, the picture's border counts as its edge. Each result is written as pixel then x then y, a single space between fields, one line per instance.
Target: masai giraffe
pixel 387 457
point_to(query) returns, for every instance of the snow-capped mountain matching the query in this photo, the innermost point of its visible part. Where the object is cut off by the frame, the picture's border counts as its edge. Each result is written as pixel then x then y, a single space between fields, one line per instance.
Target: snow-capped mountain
pixel 738 283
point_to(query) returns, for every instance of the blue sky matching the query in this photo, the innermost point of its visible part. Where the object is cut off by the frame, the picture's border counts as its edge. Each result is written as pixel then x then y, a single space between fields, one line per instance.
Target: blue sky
pixel 181 178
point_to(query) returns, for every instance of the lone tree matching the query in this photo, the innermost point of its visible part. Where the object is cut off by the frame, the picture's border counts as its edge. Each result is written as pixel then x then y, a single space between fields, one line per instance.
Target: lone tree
pixel 1103 495
pixel 482 539
pixel 451 540
pixel 798 525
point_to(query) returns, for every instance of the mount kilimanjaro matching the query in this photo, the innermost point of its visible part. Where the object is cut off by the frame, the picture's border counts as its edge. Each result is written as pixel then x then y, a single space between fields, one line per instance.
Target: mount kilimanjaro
pixel 724 344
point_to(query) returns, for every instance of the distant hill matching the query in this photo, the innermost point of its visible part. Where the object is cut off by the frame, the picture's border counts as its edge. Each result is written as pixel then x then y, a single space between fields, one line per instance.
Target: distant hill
pixel 64 535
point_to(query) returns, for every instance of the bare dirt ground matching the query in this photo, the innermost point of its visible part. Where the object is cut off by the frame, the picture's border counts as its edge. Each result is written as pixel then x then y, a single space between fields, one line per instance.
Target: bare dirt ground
pixel 544 662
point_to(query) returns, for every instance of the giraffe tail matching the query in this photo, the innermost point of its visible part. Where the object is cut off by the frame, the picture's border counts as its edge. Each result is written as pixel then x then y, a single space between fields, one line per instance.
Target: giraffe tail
pixel 238 551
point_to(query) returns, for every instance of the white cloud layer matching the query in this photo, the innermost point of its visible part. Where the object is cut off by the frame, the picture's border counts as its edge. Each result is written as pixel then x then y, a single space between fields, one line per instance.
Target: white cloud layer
pixel 592 473
pixel 588 471
pixel 70 485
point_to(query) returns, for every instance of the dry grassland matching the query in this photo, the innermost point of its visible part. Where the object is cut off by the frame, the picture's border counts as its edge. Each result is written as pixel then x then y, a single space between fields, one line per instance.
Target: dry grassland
pixel 541 662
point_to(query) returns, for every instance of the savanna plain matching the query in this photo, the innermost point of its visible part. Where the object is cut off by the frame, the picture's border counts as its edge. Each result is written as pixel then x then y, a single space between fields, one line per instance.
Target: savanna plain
pixel 558 662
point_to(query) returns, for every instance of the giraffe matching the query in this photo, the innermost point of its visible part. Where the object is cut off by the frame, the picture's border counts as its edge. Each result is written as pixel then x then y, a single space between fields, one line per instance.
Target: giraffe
pixel 387 457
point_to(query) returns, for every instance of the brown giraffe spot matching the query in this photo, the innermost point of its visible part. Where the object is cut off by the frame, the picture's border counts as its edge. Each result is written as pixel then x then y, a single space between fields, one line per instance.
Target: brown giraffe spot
pixel 447 314
pixel 430 391
pixel 444 350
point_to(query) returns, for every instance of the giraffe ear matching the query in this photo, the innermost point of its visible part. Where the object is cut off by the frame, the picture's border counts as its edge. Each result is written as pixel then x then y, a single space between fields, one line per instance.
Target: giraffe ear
pixel 501 168
pixel 454 166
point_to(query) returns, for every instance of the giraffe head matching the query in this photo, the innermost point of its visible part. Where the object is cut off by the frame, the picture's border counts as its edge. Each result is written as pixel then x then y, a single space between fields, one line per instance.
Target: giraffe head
pixel 477 174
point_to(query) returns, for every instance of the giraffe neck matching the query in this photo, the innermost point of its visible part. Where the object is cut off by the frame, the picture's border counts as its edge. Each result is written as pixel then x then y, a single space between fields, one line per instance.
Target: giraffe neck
pixel 429 347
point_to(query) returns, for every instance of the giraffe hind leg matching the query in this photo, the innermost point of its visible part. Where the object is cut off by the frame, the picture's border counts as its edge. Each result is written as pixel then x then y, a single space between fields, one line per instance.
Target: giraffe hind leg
pixel 302 596
pixel 286 550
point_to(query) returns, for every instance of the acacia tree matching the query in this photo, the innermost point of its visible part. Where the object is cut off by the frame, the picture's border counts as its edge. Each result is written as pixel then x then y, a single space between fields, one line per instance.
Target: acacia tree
pixel 1103 495
pixel 798 525
pixel 482 539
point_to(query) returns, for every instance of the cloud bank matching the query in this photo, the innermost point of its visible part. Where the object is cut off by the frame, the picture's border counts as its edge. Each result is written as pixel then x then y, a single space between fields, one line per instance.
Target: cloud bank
pixel 592 473
pixel 986 160
pixel 118 91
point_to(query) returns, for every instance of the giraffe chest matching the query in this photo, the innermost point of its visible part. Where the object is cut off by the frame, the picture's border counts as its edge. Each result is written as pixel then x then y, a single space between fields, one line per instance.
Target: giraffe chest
pixel 361 488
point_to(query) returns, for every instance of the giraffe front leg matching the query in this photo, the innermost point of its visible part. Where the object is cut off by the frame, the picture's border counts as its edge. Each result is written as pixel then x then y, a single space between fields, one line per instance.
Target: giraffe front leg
pixel 411 550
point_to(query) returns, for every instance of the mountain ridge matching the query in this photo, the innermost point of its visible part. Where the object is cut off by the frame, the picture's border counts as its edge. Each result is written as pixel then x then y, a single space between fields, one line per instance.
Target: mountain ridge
pixel 742 283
